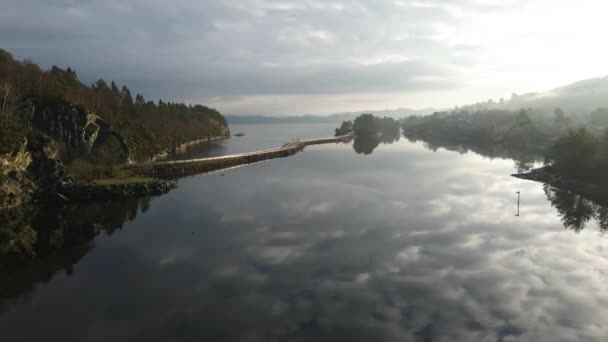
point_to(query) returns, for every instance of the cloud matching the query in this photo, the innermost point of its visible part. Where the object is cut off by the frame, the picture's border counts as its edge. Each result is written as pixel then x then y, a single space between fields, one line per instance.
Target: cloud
pixel 454 51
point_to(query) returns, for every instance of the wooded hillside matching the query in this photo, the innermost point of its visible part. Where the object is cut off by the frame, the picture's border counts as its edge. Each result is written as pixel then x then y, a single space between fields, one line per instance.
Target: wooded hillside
pixel 147 126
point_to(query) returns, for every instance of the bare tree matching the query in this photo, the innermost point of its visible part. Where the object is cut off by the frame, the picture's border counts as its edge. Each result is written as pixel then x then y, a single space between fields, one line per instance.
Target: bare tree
pixel 7 98
pixel 11 128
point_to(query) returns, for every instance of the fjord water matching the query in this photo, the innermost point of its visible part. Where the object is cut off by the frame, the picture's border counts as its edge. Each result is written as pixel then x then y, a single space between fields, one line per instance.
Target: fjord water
pixel 256 138
pixel 328 245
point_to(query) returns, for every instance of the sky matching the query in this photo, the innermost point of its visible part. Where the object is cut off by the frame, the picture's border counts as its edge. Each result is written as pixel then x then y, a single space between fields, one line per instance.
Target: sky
pixel 314 57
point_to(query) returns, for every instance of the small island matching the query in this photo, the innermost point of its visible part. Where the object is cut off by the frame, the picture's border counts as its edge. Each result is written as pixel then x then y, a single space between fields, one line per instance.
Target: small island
pixel 369 131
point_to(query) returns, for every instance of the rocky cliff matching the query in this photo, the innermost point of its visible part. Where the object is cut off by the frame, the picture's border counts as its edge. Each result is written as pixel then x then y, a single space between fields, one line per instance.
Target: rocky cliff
pixel 32 172
pixel 79 133
pixel 58 132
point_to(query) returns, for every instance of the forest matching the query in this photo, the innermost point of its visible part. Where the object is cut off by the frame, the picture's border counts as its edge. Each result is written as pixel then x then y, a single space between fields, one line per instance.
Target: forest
pixel 580 154
pixel 575 146
pixel 369 131
pixel 369 125
pixel 148 127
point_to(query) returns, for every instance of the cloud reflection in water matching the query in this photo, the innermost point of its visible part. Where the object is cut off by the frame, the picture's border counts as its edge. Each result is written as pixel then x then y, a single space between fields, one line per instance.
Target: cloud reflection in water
pixel 401 244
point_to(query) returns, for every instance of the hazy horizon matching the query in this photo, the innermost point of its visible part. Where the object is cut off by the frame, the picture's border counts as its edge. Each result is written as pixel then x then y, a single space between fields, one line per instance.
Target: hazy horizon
pixel 314 57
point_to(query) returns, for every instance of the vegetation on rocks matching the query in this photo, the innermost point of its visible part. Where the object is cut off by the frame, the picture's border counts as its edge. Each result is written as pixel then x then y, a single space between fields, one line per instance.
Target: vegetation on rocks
pixel 370 131
pixel 49 118
pixel 30 172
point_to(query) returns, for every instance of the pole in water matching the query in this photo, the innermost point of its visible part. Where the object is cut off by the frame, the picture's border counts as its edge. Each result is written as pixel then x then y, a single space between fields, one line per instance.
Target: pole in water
pixel 518 195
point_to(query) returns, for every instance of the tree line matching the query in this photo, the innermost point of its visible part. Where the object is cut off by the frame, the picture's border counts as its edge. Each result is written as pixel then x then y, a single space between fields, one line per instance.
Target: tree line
pixel 524 129
pixel 366 125
pixel 148 126
pixel 369 131
pixel 581 154
pixel 572 146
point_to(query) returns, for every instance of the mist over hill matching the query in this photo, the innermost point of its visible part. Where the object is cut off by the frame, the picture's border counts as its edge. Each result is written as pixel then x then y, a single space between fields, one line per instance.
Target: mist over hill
pixel 331 118
pixel 578 98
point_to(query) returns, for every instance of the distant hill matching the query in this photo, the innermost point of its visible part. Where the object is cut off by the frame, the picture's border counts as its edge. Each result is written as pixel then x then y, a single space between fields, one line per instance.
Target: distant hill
pixel 577 98
pixel 264 119
pixel 331 118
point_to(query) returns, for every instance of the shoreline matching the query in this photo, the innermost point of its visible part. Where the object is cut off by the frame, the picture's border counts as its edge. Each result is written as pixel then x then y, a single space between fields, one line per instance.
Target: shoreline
pixel 157 178
pixel 114 189
pixel 181 168
pixel 164 154
pixel 591 191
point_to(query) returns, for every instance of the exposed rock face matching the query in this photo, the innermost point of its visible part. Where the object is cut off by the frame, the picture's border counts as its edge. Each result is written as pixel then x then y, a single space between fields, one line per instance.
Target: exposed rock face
pixel 15 187
pixel 222 128
pixel 30 172
pixel 79 132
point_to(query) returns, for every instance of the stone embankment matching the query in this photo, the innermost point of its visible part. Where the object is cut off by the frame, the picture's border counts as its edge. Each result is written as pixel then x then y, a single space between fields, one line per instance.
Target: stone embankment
pixel 177 169
pixel 99 193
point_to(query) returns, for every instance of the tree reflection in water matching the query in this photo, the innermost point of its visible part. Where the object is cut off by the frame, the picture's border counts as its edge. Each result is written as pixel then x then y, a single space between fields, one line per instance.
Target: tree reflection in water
pixel 368 143
pixel 38 242
pixel 576 211
pixel 524 158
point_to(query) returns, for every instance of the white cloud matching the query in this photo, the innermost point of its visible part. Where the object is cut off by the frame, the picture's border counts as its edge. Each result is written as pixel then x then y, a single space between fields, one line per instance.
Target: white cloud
pixel 475 48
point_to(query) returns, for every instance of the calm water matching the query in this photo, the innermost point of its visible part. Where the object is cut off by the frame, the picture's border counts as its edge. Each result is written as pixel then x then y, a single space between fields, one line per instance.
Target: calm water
pixel 403 244
pixel 257 137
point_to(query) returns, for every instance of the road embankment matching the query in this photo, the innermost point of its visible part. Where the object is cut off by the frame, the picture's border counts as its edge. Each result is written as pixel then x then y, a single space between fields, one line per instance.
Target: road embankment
pixel 182 168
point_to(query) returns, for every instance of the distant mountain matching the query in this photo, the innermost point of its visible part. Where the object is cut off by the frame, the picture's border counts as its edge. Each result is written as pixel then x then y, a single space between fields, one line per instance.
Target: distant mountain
pixel 264 119
pixel 580 97
pixel 577 98
pixel 391 113
pixel 331 118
